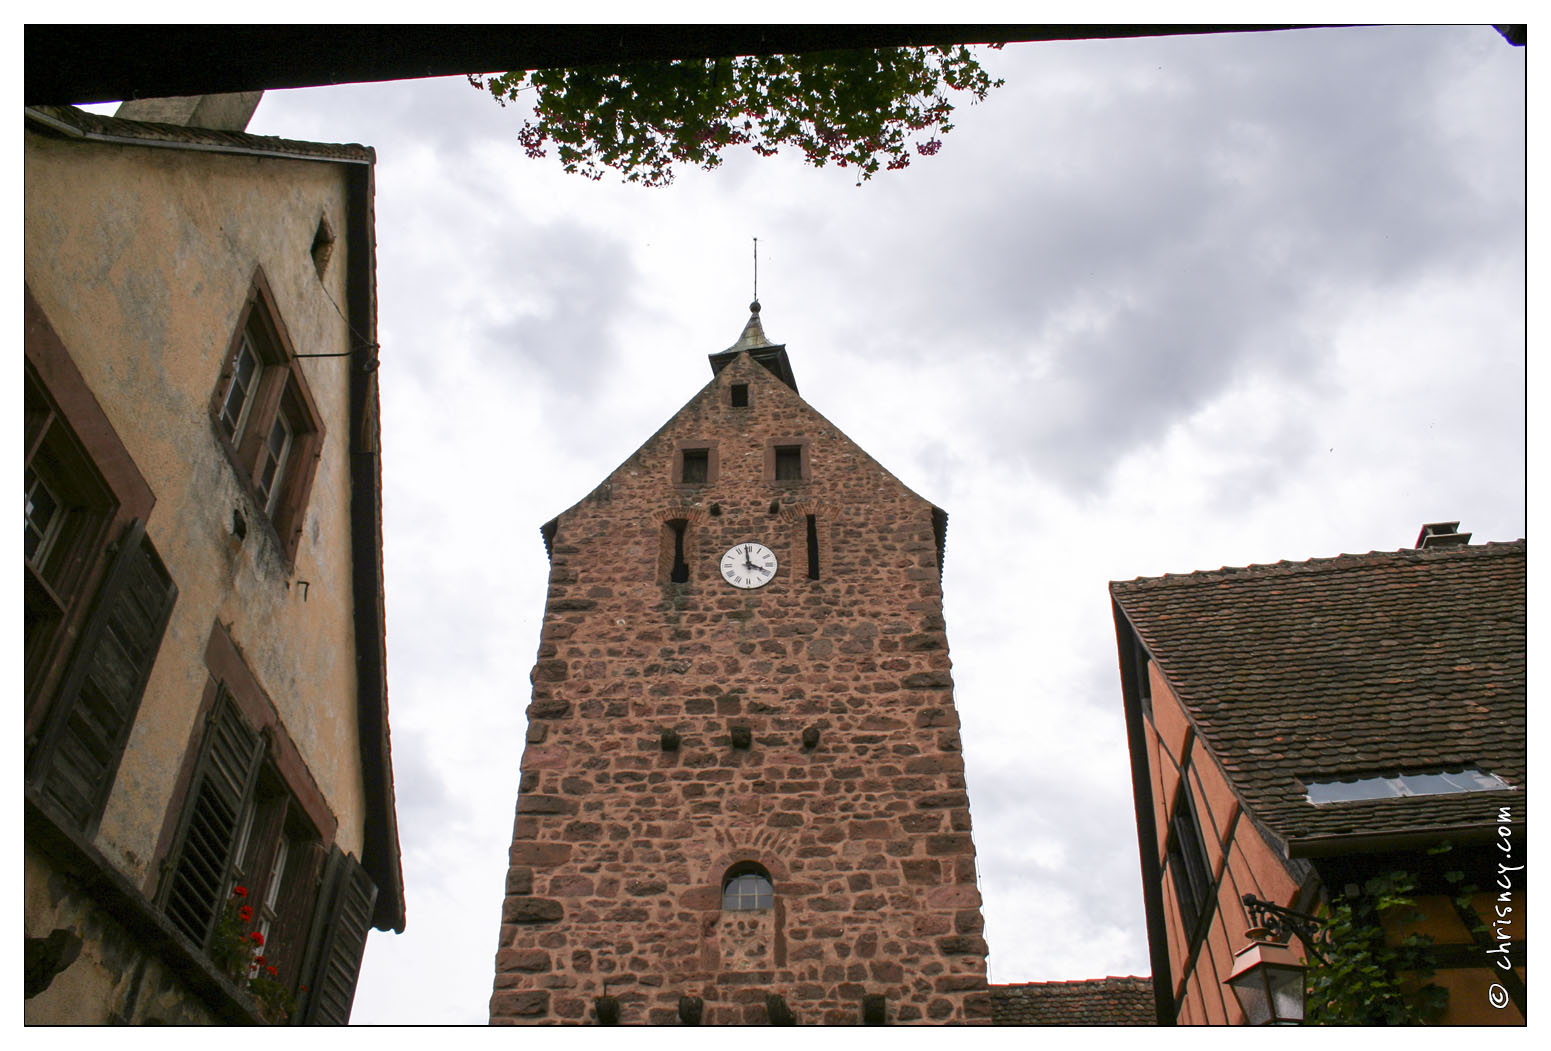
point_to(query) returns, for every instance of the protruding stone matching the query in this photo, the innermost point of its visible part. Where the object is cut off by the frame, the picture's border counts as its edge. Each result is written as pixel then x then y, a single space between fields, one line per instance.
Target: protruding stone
pixel 531 910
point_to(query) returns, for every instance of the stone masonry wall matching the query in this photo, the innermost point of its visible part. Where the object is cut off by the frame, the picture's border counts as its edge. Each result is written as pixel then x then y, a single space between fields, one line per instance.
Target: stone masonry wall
pixel 620 844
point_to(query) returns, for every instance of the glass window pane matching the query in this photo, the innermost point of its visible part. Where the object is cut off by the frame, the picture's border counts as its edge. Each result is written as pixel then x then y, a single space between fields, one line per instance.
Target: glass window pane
pixel 236 401
pixel 1422 784
pixel 747 892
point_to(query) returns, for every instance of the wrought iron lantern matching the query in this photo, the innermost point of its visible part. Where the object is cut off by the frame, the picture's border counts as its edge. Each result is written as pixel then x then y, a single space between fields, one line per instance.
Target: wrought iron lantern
pixel 1267 976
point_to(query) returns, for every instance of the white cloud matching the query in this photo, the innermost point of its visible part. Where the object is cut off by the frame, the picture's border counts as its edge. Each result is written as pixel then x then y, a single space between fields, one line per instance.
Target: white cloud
pixel 1158 306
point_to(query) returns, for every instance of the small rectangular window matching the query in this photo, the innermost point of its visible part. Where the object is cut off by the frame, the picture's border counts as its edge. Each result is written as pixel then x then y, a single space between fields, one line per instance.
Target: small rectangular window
pixel 813 547
pixel 740 395
pixel 1415 784
pixel 696 466
pixel 1187 861
pixel 679 571
pixel 788 463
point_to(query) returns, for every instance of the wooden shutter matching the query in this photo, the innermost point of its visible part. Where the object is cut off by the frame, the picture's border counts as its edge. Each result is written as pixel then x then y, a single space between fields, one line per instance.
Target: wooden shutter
pixel 298 891
pixel 340 925
pixel 222 787
pixel 79 751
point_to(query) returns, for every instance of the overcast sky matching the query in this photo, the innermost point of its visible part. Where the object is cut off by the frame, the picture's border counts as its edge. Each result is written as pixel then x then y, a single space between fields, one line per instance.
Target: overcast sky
pixel 1158 305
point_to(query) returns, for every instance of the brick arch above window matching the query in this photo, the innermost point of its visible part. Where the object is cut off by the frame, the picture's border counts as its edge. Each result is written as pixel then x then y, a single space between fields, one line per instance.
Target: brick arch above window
pixel 761 854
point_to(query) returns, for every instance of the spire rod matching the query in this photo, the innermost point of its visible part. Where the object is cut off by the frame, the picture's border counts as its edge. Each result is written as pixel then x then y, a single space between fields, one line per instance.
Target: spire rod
pixel 756 270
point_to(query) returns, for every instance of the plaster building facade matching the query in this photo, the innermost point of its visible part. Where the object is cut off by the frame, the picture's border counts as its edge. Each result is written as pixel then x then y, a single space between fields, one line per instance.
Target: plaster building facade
pixel 205 673
pixel 742 797
pixel 1299 729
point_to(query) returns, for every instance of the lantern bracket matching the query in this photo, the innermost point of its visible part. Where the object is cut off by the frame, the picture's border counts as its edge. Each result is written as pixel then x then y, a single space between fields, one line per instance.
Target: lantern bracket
pixel 1278 923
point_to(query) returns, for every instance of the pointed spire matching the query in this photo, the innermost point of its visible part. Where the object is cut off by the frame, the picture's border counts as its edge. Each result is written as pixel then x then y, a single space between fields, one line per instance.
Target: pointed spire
pixel 754 343
pixel 753 335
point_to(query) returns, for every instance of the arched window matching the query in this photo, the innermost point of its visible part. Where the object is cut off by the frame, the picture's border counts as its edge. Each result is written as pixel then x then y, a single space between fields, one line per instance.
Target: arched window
pixel 746 887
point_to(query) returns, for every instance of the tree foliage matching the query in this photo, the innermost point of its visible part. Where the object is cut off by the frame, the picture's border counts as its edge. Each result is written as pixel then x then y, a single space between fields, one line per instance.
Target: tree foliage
pixel 862 108
pixel 1367 977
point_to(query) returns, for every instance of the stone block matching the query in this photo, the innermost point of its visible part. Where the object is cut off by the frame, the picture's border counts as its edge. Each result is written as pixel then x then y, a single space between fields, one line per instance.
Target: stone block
pixel 962 945
pixel 531 910
pixel 529 1003
pixel 532 803
pixel 549 671
pixel 530 961
pixel 539 855
pixel 950 843
pixel 519 880
pixel 552 708
pixel 583 831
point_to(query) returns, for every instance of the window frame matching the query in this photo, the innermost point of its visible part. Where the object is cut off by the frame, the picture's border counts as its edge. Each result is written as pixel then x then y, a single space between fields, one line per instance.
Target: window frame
pixel 676 549
pixel 97 599
pixel 1402 785
pixel 1185 854
pixel 63 417
pixel 276 807
pixel 278 395
pixel 773 458
pixel 748 870
pixel 712 463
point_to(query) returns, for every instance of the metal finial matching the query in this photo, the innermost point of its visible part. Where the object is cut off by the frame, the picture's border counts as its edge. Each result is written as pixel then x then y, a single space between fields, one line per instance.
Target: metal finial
pixel 756 270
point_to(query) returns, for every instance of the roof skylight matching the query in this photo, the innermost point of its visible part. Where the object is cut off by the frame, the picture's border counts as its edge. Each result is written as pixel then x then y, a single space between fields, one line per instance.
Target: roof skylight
pixel 1426 784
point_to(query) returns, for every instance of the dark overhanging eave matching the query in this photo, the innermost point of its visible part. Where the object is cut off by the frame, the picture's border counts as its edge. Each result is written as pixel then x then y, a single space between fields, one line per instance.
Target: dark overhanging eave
pixel 1392 842
pixel 940 537
pixel 380 851
pixel 80 64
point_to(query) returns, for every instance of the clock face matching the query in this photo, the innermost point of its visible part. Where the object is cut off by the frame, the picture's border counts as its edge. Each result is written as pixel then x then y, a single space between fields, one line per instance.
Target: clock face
pixel 748 565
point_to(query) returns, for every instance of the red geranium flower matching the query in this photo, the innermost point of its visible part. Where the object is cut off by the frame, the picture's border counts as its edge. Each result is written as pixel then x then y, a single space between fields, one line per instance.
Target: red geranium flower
pixel 272 972
pixel 259 959
pixel 245 913
pixel 256 937
pixel 240 891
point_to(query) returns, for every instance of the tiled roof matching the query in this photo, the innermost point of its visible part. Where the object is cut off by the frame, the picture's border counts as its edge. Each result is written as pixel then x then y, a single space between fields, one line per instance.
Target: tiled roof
pixel 1095 1001
pixel 200 138
pixel 1349 667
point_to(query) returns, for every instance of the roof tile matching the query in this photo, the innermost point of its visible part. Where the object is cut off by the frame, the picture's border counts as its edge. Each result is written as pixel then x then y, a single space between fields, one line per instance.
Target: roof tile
pixel 1348 667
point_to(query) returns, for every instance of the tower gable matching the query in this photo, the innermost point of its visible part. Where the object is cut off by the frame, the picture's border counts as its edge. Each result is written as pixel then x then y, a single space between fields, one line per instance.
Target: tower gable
pixel 742 795
pixel 741 449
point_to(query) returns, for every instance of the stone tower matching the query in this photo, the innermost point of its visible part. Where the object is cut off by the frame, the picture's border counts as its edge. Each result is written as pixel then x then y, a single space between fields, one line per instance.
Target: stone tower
pixel 742 795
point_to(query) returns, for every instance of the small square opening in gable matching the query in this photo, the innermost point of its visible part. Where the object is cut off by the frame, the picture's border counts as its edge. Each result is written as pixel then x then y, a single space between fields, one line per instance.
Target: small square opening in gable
pixel 696 466
pixel 788 463
pixel 740 395
pixel 322 246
